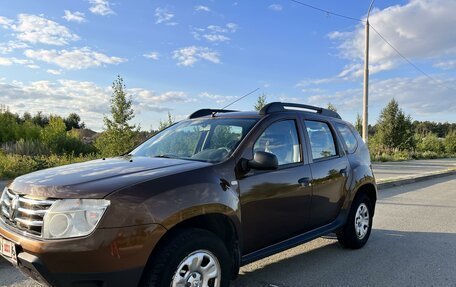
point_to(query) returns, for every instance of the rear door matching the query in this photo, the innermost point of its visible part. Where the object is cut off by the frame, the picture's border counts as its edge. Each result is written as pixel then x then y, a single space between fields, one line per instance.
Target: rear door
pixel 330 169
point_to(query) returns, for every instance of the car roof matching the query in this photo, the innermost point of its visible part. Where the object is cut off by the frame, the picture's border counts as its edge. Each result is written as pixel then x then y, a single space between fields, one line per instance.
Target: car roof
pixel 271 108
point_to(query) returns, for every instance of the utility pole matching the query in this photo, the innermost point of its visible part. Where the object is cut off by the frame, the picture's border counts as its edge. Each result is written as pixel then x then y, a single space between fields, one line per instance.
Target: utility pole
pixel 366 79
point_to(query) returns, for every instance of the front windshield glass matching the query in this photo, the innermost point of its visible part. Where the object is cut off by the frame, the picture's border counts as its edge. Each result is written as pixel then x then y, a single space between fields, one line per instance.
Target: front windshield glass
pixel 210 140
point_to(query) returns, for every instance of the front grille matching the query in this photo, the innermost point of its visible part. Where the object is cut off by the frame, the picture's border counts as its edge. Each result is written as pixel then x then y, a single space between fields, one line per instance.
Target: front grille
pixel 24 212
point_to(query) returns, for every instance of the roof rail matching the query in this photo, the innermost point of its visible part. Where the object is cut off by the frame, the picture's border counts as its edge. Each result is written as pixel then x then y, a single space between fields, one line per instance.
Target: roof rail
pixel 207 112
pixel 276 107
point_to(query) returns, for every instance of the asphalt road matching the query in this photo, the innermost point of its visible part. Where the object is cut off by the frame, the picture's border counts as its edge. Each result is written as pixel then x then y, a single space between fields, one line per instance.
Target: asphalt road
pixel 413 244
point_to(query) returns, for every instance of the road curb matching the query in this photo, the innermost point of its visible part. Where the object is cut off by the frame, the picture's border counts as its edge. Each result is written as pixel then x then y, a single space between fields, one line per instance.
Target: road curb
pixel 388 183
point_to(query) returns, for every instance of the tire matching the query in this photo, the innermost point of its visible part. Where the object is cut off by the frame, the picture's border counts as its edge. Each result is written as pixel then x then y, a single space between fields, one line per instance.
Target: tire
pixel 356 231
pixel 199 246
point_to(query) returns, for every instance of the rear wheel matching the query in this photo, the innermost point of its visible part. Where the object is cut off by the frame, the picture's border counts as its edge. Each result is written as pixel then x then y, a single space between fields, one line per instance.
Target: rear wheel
pixel 191 258
pixel 357 230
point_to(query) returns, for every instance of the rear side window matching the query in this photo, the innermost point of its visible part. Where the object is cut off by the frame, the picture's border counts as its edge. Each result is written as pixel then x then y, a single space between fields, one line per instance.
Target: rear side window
pixel 321 139
pixel 348 137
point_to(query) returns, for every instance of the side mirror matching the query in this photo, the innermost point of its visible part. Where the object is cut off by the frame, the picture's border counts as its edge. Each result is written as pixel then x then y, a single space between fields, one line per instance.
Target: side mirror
pixel 263 161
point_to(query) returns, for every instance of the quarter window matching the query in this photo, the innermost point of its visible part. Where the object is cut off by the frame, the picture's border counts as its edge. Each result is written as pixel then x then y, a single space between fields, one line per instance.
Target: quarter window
pixel 321 140
pixel 281 139
pixel 348 137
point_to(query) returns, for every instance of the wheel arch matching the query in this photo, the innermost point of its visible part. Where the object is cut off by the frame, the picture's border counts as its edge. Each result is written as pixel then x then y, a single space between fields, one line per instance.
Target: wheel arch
pixel 220 224
pixel 370 190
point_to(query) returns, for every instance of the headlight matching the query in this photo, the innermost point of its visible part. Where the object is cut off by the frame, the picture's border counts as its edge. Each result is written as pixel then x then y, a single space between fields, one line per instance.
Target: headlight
pixel 69 218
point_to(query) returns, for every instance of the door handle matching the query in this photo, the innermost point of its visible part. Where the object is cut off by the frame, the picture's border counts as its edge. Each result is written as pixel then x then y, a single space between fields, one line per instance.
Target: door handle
pixel 305 182
pixel 343 172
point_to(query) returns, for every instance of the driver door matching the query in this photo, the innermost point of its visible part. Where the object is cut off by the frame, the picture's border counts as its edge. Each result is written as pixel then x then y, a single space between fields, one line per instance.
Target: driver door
pixel 275 204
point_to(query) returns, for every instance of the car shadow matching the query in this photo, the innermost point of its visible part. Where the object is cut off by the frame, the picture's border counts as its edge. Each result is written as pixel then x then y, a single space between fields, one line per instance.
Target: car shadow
pixel 390 258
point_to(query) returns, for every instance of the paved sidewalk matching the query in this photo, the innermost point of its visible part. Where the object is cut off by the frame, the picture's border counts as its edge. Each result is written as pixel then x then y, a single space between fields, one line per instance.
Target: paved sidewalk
pixel 389 171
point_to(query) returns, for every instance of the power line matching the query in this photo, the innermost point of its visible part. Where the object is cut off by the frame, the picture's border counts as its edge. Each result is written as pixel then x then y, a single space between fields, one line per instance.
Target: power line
pixel 407 60
pixel 381 36
pixel 327 11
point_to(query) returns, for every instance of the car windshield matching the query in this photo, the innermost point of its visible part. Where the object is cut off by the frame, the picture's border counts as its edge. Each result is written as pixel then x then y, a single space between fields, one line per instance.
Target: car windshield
pixel 210 140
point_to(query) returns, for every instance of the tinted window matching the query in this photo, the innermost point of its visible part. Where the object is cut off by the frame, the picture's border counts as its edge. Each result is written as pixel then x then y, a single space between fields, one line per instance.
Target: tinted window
pixel 281 139
pixel 321 139
pixel 348 137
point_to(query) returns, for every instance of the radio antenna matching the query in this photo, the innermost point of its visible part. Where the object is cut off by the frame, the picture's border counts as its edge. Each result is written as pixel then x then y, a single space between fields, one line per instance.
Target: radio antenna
pixel 237 100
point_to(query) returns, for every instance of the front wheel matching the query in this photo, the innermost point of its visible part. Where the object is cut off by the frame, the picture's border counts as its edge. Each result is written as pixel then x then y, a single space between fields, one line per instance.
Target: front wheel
pixel 191 258
pixel 357 230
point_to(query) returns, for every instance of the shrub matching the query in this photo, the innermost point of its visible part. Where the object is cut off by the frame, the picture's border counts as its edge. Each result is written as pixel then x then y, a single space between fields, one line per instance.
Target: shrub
pixel 429 143
pixel 12 165
pixel 450 143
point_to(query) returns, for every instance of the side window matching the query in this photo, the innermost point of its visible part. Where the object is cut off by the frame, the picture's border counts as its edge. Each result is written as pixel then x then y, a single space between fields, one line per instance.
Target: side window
pixel 281 139
pixel 321 139
pixel 348 137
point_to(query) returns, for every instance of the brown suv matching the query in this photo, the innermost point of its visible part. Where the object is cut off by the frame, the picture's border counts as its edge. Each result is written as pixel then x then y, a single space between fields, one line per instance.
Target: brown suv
pixel 193 203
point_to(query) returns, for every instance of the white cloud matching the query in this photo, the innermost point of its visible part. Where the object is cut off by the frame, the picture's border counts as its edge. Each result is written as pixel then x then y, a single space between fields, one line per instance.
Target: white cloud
pixel 202 8
pixel 215 37
pixel 4 61
pixel 147 100
pixel 420 29
pixel 75 59
pixel 413 94
pixel 275 7
pixel 54 72
pixel 163 16
pixel 12 45
pixel 215 33
pixel 446 65
pixel 60 97
pixel 101 7
pixel 76 16
pixel 85 98
pixel 228 28
pixel 152 55
pixel 35 29
pixel 188 56
pixel 219 99
pixel 5 22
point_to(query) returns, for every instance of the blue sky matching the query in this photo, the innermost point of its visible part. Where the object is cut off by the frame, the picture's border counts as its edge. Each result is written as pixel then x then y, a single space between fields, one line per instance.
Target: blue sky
pixel 62 56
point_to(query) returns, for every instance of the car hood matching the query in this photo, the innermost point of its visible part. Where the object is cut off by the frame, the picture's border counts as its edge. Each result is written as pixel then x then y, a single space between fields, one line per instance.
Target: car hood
pixel 97 178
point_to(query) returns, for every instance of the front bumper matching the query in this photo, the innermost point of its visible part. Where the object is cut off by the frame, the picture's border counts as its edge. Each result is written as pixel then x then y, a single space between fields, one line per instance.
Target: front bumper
pixel 108 257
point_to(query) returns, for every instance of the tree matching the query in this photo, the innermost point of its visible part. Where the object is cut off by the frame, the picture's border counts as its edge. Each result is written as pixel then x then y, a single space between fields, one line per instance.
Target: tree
pixel 332 107
pixel 166 123
pixel 73 121
pixel 119 136
pixel 261 102
pixel 394 128
pixel 359 124
pixel 54 134
pixel 40 120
